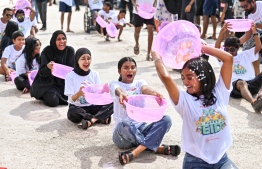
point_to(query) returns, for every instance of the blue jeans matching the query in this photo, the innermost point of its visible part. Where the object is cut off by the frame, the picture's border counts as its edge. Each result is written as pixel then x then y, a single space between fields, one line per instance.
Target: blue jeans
pixel 192 162
pixel 127 135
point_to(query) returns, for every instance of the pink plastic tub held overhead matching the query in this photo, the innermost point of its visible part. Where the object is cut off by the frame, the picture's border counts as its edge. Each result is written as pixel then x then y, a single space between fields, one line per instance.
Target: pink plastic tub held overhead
pixel 60 70
pixel 101 21
pixel 111 30
pixel 178 42
pixel 22 4
pixel 31 76
pixel 97 94
pixel 145 108
pixel 146 11
pixel 239 25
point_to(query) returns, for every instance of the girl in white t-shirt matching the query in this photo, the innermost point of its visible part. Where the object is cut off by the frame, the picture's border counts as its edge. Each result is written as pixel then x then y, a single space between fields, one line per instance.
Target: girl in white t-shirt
pixel 203 107
pixel 28 61
pixel 79 109
pixel 129 133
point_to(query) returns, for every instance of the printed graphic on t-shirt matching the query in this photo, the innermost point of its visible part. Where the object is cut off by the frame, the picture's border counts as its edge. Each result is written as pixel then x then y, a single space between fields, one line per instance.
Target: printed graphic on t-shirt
pixel 1 34
pixel 130 92
pixel 210 122
pixel 21 28
pixel 82 100
pixel 95 1
pixel 239 69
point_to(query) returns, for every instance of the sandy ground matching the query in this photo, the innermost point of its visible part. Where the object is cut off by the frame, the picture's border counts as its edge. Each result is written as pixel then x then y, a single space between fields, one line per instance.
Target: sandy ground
pixel 35 136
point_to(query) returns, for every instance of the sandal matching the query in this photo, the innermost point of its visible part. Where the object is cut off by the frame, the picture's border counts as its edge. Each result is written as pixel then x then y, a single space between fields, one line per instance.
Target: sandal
pixel 149 58
pixel 174 150
pixel 119 40
pixel 257 105
pixel 85 124
pixel 136 50
pixel 128 156
pixel 106 121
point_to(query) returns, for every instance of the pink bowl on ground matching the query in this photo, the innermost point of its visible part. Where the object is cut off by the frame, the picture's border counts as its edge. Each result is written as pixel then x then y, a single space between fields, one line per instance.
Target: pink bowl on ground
pixel 101 21
pixel 13 76
pixel 97 94
pixel 22 4
pixel 60 70
pixel 239 25
pixel 146 11
pixel 178 42
pixel 111 30
pixel 145 108
pixel 31 76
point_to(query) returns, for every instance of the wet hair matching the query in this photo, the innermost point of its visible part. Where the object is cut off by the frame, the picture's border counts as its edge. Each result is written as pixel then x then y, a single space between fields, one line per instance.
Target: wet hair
pixel 7 9
pixel 206 77
pixel 232 41
pixel 108 4
pixel 17 34
pixel 19 11
pixel 11 27
pixel 121 62
pixel 122 11
pixel 30 45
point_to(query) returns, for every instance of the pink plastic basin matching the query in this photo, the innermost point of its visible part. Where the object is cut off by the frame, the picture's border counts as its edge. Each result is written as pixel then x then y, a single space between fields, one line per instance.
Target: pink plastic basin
pixel 97 94
pixel 239 25
pixel 111 30
pixel 13 76
pixel 146 11
pixel 22 4
pixel 60 70
pixel 31 76
pixel 101 21
pixel 145 108
pixel 178 42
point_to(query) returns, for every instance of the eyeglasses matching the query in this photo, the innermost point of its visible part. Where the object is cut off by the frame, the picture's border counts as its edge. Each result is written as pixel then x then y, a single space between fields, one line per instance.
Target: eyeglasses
pixel 9 15
pixel 20 17
pixel 244 6
pixel 230 49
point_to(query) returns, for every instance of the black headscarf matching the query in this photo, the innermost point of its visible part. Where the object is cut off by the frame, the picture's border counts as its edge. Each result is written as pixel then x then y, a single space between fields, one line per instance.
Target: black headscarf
pixel 78 54
pixel 53 43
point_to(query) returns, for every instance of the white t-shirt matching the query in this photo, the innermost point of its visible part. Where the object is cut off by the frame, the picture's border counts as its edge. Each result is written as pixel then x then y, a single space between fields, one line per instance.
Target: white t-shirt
pixel 257 16
pixel 2 29
pixel 25 26
pixel 116 21
pixel 21 66
pixel 130 89
pixel 68 2
pixel 12 55
pixel 149 2
pixel 73 83
pixel 242 65
pixel 106 15
pixel 205 131
pixel 95 4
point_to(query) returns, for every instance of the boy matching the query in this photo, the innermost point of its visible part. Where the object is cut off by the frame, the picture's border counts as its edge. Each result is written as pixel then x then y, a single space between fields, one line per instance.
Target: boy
pixel 120 22
pixel 11 54
pixel 244 82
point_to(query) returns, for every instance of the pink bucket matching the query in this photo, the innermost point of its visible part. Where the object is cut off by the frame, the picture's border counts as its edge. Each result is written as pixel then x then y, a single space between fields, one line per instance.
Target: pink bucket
pixel 145 108
pixel 60 70
pixel 111 30
pixel 22 4
pixel 97 94
pixel 101 21
pixel 239 25
pixel 163 24
pixel 13 76
pixel 146 11
pixel 178 42
pixel 31 76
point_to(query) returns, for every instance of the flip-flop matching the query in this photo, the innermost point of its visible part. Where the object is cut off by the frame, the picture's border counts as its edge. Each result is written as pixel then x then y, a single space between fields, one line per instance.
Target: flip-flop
pixel 128 156
pixel 149 58
pixel 119 40
pixel 136 50
pixel 70 31
pixel 174 149
pixel 211 37
pixel 85 124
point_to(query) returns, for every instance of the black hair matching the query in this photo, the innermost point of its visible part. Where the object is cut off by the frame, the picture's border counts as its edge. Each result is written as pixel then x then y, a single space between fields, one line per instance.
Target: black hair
pixel 17 34
pixel 232 41
pixel 10 28
pixel 122 11
pixel 108 4
pixel 207 78
pixel 30 45
pixel 19 11
pixel 248 1
pixel 7 9
pixel 121 62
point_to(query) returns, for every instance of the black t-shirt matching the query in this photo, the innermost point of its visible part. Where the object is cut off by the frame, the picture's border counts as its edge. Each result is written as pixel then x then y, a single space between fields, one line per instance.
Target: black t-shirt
pixel 185 3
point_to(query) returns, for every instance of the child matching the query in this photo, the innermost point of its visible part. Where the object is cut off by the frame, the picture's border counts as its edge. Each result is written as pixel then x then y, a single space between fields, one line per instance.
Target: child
pixel 28 61
pixel 120 22
pixel 11 54
pixel 203 108
pixel 129 133
pixel 245 83
pixel 79 109
pixel 105 13
pixel 95 6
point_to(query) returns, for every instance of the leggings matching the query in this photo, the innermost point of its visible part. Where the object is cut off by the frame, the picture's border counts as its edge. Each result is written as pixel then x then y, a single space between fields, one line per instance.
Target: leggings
pixel 22 82
pixel 100 112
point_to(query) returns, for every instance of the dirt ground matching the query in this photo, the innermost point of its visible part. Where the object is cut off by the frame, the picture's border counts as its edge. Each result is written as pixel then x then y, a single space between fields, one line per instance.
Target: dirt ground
pixel 33 136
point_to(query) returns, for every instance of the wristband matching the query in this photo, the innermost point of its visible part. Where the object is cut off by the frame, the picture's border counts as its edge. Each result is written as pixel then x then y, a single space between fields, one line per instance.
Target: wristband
pixel 254 34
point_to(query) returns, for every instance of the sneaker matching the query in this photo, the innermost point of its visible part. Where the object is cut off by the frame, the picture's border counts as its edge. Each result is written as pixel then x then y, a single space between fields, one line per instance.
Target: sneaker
pixel 43 29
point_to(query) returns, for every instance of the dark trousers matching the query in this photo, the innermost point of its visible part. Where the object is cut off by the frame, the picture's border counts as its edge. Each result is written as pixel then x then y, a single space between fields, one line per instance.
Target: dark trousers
pixel 53 98
pixel 129 4
pixel 21 82
pixel 77 4
pixel 42 8
pixel 100 112
pixel 99 31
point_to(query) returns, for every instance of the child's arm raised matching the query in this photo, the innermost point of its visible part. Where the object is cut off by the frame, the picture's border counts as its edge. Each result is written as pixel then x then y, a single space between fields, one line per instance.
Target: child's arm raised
pixel 256 38
pixel 221 35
